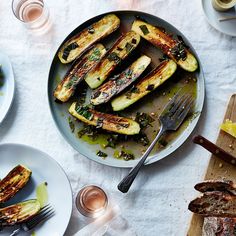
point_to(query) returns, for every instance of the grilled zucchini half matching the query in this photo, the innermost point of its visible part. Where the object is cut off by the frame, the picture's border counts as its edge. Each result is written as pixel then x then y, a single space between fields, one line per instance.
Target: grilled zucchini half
pixel 75 46
pixel 119 51
pixel 19 213
pixel 15 180
pixel 105 121
pixel 171 47
pixel 153 80
pixel 66 88
pixel 117 84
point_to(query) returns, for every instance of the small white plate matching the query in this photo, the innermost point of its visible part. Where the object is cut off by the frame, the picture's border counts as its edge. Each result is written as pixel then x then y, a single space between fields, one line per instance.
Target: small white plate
pixel 213 16
pixel 8 88
pixel 44 168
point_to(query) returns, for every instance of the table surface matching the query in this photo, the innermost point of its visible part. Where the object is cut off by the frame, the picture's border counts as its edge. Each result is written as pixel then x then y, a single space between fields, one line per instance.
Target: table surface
pixel 157 203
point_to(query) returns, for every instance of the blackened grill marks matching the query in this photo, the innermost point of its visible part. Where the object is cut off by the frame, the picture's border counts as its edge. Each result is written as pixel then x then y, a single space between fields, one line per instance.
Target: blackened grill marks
pixel 118 121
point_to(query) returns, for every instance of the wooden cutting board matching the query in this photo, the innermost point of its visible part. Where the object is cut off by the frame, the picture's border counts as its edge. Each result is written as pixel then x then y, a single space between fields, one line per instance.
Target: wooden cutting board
pixel 218 169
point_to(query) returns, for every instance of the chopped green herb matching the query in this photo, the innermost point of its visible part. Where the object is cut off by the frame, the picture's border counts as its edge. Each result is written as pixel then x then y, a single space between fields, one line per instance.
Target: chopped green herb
pixel 120 82
pixel 91 29
pixel 163 58
pixel 128 47
pixel 113 140
pixel 179 51
pixel 84 111
pixel 143 119
pixel 126 156
pixel 180 38
pixel 133 89
pixel 96 54
pixel 101 154
pixel 141 138
pixel 71 124
pixel 114 57
pixel 128 73
pixel 88 130
pixel 71 82
pixel 144 29
pixel 150 87
pixel 67 50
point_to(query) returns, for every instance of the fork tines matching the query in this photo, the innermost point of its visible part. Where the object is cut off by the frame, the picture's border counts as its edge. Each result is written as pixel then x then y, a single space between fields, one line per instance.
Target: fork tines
pixel 176 110
pixel 45 213
pixel 183 106
pixel 176 102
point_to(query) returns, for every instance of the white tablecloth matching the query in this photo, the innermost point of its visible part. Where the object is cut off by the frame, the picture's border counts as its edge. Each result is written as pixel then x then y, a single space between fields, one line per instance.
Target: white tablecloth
pixel 157 203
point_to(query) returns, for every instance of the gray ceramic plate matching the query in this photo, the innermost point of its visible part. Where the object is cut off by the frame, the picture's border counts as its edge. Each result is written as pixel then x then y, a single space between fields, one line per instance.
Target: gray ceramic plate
pixel 148 104
pixel 213 16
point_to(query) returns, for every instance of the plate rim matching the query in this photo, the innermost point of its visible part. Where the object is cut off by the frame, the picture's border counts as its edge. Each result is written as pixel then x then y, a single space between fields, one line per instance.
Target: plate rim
pixel 210 23
pixel 128 164
pixel 54 161
pixel 11 90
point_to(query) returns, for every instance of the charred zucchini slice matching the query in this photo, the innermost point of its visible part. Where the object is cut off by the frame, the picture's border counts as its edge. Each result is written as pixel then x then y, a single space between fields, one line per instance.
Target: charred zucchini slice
pixel 117 84
pixel 74 47
pixel 119 51
pixel 19 213
pixel 15 180
pixel 108 122
pixel 153 80
pixel 171 47
pixel 76 73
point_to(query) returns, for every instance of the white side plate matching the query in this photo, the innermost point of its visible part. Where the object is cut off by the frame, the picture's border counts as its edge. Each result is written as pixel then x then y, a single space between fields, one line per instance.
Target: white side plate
pixel 8 88
pixel 44 168
pixel 213 16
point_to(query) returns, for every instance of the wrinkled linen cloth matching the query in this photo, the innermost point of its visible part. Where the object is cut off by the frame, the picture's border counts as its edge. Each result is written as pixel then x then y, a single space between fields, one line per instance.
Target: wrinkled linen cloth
pixel 157 203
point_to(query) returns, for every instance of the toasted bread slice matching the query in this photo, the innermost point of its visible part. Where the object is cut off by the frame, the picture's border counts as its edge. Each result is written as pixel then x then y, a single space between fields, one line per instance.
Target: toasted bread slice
pixel 216 204
pixel 216 185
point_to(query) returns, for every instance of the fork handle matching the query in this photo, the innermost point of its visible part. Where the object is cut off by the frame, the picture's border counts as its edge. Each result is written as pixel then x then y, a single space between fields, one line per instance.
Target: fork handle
pixel 15 232
pixel 127 181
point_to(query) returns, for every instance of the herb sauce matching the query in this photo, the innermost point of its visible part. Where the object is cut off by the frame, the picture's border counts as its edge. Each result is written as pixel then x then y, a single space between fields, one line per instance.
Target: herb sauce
pixel 143 110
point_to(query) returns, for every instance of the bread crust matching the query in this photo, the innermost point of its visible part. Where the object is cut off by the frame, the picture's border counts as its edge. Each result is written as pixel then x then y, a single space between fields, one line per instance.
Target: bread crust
pixel 226 186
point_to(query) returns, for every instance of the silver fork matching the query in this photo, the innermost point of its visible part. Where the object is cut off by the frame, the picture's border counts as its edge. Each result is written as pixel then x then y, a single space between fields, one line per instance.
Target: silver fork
pixel 45 213
pixel 171 118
